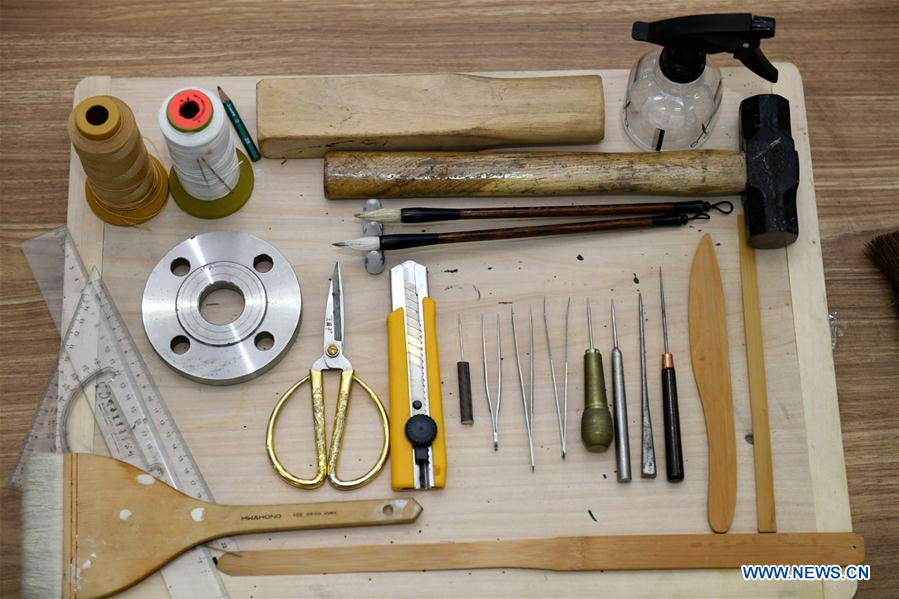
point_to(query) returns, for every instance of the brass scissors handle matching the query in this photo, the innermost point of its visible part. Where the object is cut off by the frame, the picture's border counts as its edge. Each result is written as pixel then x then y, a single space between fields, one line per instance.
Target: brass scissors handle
pixel 326 462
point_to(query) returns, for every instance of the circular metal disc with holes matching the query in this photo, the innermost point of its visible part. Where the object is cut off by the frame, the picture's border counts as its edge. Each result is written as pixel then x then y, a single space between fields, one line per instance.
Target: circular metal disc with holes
pixel 251 343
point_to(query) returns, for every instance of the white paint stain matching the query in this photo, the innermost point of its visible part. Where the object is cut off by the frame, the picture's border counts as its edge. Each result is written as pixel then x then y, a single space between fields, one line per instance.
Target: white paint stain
pixel 198 514
pixel 86 564
pixel 123 515
pixel 75 574
pixel 145 479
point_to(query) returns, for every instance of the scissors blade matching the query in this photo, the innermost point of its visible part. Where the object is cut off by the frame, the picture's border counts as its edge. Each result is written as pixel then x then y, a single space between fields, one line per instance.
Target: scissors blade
pixel 334 310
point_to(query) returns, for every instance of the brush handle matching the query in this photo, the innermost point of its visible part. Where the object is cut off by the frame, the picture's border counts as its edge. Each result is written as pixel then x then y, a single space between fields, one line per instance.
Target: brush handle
pixel 411 240
pixel 349 175
pixel 227 520
pixel 430 215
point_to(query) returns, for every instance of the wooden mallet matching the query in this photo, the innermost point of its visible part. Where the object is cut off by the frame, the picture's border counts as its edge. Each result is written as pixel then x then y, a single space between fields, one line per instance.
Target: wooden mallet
pixel 765 172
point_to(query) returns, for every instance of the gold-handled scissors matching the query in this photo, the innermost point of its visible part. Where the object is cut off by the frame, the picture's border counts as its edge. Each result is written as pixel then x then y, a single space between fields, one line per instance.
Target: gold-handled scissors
pixel 332 359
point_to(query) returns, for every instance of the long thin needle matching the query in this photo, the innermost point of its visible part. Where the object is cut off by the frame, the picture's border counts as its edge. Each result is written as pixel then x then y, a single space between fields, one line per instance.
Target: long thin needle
pixel 524 400
pixel 531 360
pixel 664 314
pixel 565 392
pixel 461 349
pixel 590 324
pixel 552 371
pixel 614 327
pixel 499 373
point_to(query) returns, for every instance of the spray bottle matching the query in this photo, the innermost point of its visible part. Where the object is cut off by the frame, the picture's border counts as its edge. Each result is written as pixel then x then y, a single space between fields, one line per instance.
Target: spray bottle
pixel 673 95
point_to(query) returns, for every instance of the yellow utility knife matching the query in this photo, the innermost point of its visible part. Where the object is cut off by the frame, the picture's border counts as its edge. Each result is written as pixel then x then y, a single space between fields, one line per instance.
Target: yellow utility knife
pixel 417 436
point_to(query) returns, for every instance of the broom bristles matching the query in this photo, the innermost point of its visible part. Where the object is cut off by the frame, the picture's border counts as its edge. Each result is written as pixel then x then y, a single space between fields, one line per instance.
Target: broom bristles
pixel 42 524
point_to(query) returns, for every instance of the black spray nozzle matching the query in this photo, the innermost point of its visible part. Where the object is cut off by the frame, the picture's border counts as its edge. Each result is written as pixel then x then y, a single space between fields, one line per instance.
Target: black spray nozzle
pixel 687 40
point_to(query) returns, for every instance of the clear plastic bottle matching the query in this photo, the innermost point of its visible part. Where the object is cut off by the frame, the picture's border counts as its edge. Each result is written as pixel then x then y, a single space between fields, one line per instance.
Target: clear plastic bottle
pixel 673 94
pixel 661 114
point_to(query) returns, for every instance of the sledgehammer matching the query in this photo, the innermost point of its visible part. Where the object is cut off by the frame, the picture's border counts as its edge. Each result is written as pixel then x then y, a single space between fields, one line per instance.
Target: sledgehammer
pixel 765 171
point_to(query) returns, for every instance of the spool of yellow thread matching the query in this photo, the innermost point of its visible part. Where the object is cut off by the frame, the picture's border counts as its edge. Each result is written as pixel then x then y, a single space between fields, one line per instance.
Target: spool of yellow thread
pixel 125 184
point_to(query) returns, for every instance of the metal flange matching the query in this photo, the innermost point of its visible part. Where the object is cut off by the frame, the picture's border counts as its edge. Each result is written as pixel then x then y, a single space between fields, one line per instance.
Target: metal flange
pixel 222 354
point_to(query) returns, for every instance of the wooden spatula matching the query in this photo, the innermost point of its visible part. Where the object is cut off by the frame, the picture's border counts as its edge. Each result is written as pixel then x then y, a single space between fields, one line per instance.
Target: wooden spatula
pixel 93 526
pixel 711 370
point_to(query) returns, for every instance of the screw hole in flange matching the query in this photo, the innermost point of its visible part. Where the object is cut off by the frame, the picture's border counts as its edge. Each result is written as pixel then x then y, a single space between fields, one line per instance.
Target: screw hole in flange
pixel 264 341
pixel 180 267
pixel 263 263
pixel 387 510
pixel 180 345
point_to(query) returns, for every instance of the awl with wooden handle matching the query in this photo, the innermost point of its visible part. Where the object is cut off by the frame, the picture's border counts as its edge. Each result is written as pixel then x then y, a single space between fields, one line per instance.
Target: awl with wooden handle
pixel 711 370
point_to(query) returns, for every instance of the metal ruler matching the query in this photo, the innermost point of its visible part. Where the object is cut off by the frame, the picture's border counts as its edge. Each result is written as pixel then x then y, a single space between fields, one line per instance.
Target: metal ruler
pixel 98 359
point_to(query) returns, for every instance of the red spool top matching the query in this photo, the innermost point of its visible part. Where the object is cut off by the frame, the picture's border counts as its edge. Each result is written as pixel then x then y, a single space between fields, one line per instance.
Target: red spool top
pixel 189 110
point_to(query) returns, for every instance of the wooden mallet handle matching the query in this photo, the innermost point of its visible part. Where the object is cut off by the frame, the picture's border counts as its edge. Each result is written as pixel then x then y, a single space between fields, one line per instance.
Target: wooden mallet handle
pixel 353 175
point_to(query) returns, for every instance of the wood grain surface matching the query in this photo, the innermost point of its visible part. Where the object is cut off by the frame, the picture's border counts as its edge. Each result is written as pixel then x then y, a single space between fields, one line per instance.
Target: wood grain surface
pixel 846 50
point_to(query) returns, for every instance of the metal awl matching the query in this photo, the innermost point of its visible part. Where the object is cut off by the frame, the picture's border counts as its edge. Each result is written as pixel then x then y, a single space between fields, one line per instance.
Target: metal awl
pixel 648 452
pixel 619 407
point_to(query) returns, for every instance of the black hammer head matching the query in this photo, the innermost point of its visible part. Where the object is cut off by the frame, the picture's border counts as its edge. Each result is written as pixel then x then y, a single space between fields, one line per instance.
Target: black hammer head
pixel 772 172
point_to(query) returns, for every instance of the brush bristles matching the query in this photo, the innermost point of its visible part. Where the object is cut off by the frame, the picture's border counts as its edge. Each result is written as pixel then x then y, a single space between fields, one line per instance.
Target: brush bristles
pixel 362 244
pixel 42 525
pixel 883 251
pixel 382 215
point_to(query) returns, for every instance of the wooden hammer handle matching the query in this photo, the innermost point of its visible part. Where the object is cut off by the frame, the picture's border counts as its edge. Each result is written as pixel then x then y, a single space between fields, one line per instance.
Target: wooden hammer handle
pixel 352 175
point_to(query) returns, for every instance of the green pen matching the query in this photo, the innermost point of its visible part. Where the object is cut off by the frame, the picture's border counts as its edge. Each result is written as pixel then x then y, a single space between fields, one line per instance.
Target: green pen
pixel 241 129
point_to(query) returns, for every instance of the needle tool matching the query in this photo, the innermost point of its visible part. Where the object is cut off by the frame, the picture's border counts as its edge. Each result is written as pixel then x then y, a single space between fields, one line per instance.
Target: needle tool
pixel 648 452
pixel 561 408
pixel 596 421
pixel 674 454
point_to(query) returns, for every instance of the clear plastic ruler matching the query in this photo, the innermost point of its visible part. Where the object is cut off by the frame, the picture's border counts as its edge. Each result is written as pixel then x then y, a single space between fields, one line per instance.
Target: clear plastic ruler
pixel 99 360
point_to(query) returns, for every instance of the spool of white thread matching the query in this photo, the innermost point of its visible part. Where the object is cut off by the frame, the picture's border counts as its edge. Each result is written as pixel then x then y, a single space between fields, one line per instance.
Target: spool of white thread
pixel 204 160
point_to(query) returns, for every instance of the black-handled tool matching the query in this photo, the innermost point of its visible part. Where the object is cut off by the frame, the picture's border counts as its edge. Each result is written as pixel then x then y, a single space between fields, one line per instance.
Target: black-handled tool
pixel 674 454
pixel 463 372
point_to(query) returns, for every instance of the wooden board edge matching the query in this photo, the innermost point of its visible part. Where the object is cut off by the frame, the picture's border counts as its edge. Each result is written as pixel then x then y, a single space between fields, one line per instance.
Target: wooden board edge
pixel 830 489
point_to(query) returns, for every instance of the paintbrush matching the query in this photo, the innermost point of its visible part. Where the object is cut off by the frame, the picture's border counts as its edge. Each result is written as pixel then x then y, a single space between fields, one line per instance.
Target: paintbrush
pixel 93 526
pixel 883 251
pixel 412 240
pixel 431 215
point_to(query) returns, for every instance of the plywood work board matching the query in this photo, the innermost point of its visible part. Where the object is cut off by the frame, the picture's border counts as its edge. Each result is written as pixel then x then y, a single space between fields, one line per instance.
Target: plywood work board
pixel 489 494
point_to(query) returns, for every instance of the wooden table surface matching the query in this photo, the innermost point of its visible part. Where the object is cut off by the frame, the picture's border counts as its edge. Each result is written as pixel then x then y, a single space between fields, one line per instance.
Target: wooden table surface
pixel 846 50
